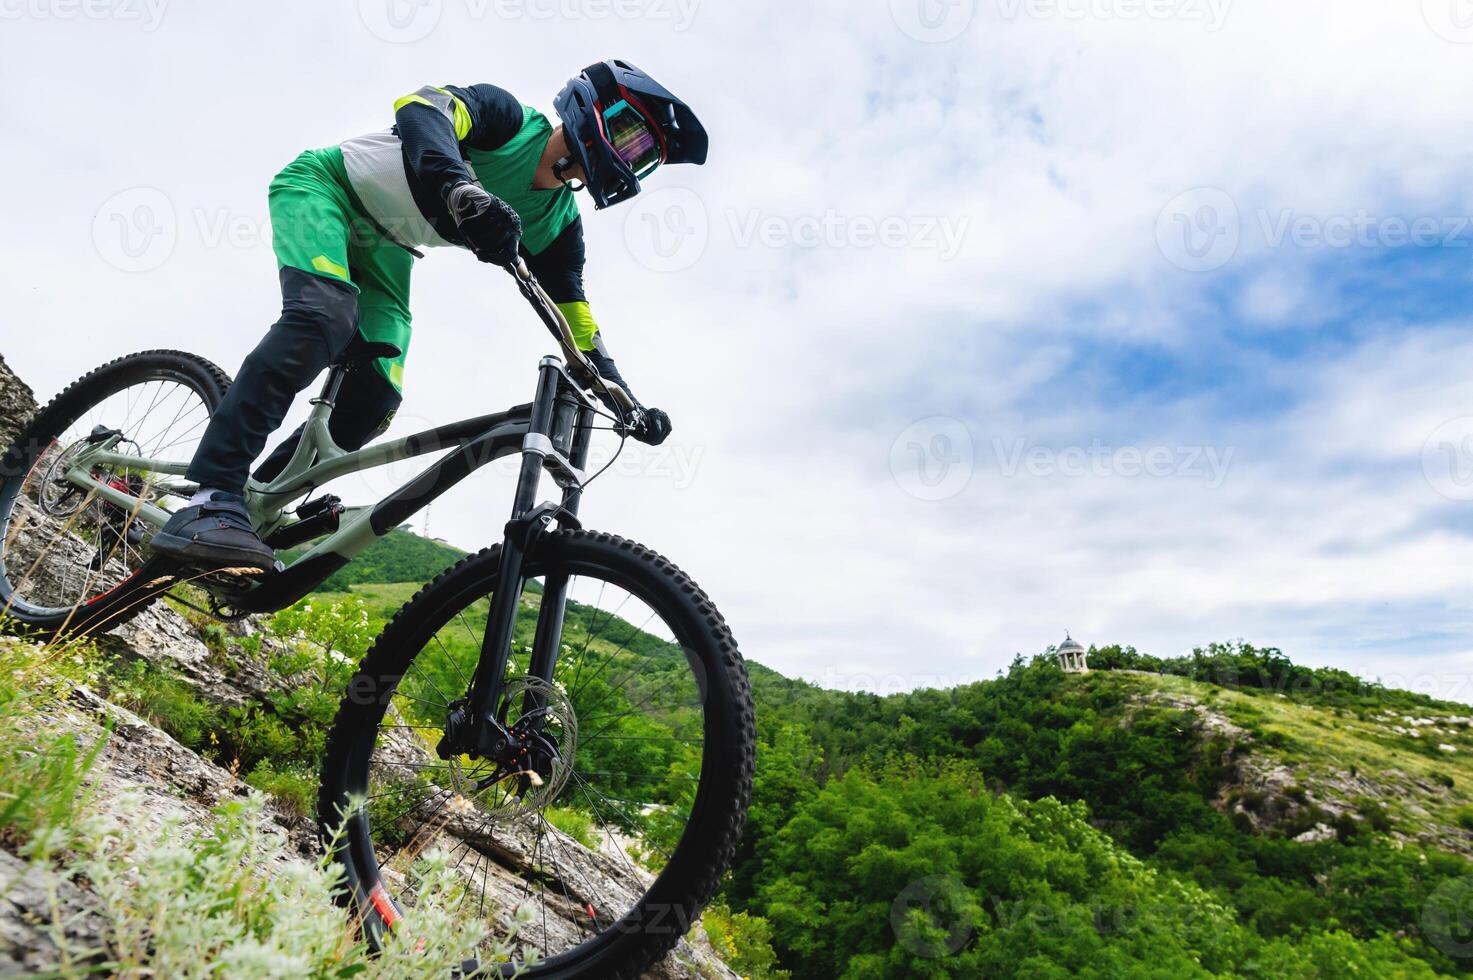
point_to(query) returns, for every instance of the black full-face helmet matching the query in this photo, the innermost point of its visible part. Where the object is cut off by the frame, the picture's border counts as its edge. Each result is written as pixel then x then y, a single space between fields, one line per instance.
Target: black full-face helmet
pixel 621 124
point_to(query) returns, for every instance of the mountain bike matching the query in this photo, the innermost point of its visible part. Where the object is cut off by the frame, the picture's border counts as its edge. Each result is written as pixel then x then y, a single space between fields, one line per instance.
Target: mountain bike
pixel 561 677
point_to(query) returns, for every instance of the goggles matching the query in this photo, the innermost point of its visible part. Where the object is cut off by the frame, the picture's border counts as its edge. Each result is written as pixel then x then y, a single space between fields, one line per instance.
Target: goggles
pixel 633 138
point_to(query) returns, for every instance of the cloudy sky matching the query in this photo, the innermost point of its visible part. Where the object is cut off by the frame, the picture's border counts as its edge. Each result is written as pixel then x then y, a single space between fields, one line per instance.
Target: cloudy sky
pixel 988 319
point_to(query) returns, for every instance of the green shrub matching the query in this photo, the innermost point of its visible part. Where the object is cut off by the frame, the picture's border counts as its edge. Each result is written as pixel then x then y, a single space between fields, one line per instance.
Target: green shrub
pixel 294 789
pixel 576 824
pixel 230 899
pixel 162 698
pixel 43 772
pixel 42 787
pixel 743 941
pixel 1376 815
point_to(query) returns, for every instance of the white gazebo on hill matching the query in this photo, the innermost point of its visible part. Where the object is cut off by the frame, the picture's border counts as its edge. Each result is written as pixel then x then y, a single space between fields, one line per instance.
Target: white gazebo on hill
pixel 1072 656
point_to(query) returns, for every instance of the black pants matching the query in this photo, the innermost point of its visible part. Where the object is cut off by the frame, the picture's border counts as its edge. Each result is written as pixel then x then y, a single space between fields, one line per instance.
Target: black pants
pixel 319 318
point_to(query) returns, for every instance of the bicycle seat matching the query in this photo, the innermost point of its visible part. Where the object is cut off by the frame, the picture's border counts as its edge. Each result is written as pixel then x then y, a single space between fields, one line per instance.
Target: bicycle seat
pixel 360 352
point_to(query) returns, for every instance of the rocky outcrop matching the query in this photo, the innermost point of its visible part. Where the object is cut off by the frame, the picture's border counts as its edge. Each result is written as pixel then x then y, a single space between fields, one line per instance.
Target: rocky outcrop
pixel 1265 794
pixel 46 919
pixel 17 403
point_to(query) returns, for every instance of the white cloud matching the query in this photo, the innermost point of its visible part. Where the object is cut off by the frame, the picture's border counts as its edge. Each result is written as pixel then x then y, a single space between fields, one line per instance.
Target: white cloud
pixel 1053 143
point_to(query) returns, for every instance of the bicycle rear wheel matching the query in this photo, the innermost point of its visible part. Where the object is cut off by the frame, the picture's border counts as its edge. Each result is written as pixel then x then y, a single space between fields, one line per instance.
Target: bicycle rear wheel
pixel 69 559
pixel 649 728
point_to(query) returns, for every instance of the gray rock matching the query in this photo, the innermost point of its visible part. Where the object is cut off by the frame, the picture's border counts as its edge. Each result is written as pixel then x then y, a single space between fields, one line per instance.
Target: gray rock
pixel 17 403
pixel 46 921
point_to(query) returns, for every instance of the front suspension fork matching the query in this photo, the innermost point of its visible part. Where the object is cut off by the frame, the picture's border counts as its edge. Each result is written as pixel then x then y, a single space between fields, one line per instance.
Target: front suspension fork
pixel 563 420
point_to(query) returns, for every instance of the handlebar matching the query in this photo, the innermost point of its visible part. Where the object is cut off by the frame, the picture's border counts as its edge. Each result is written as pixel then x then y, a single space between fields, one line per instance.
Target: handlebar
pixel 557 324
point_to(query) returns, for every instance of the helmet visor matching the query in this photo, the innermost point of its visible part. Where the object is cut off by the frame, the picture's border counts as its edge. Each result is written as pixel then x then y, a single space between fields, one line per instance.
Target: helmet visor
pixel 633 138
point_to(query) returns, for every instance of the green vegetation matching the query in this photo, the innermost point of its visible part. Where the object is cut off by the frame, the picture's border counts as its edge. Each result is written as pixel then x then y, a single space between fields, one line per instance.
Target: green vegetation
pixel 743 941
pixel 869 784
pixel 228 898
pixel 276 744
pixel 845 788
pixel 43 772
pixel 1136 821
pixel 919 870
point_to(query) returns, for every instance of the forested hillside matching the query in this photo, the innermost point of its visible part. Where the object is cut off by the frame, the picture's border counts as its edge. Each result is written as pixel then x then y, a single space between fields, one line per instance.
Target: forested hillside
pixel 1227 813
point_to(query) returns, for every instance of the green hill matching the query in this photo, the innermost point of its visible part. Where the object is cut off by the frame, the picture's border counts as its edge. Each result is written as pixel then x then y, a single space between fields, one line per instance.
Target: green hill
pixel 399 556
pixel 1229 813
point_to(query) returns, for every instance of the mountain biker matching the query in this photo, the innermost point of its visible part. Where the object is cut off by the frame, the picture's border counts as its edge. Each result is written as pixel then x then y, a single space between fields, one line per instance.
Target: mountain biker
pixel 471 167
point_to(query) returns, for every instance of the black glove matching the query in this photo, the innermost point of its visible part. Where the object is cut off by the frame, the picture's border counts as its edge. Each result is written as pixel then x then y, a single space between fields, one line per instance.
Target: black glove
pixel 653 427
pixel 487 223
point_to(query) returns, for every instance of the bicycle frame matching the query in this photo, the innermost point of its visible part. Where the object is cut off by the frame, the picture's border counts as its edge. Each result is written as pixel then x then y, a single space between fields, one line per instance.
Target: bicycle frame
pixel 552 433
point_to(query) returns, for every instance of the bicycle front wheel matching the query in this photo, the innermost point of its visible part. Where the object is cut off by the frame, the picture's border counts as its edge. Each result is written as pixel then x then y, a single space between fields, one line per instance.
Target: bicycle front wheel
pixel 615 844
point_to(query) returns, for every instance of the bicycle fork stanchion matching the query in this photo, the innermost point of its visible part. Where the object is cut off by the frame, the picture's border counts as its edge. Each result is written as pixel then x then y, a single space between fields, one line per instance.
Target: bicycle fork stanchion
pixel 546 641
pixel 491 737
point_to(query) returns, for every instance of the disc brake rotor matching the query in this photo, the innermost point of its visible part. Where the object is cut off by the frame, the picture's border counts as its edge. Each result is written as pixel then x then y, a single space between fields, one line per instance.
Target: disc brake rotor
pixel 549 736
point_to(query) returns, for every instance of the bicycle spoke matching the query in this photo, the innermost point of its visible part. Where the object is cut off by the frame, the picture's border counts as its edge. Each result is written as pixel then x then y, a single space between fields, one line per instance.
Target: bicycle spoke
pixel 617 745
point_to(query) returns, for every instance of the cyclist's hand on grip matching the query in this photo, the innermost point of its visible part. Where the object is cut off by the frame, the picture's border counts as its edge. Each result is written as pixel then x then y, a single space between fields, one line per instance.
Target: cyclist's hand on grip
pixel 652 427
pixel 488 224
